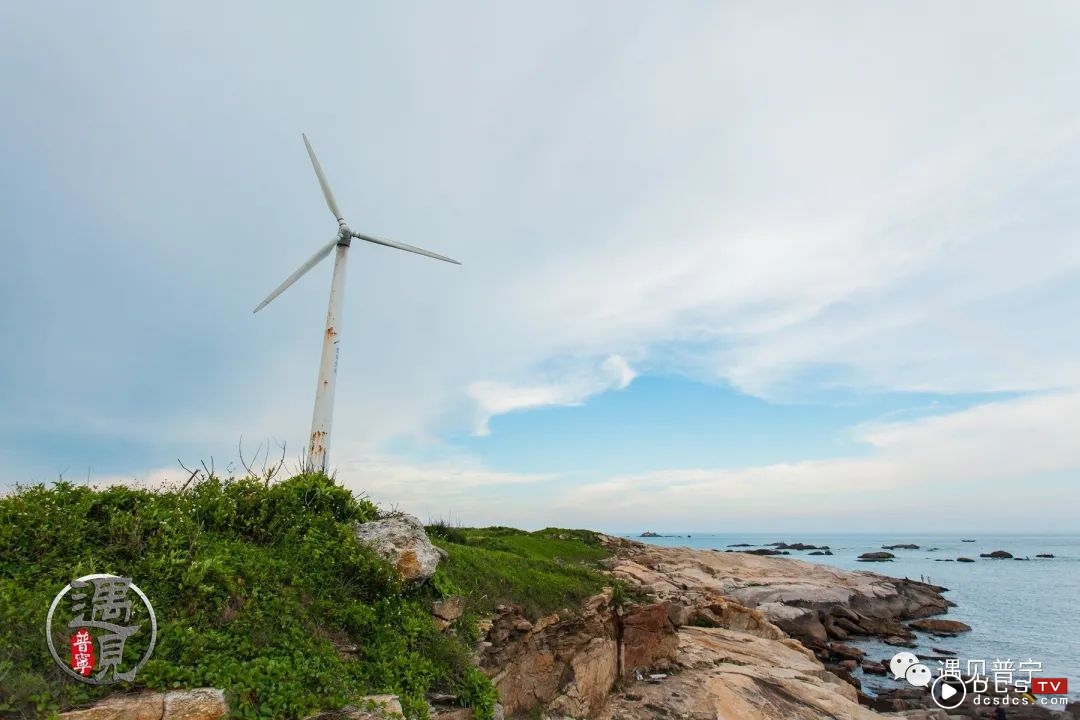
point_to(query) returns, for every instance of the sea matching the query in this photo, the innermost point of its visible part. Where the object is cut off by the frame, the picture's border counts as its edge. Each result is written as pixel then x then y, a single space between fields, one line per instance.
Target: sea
pixel 1023 611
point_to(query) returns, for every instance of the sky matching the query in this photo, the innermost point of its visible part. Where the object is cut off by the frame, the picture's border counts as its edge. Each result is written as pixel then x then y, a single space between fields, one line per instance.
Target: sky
pixel 727 266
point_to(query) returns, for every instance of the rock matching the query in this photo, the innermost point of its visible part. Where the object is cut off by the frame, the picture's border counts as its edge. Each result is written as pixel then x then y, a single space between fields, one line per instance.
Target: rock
pixel 874 668
pixel 724 613
pixel 648 533
pixel 897 641
pixel 369 707
pixel 797 546
pixel 142 706
pixel 817 552
pixel 401 541
pixel 937 626
pixel 566 665
pixel 847 652
pixel 964 559
pixel 201 704
pixel 997 554
pixel 902 546
pixel 741 545
pixel 876 557
pixel 727 674
pixel 1045 555
pixel 647 636
pixel 848 665
pixel 802 623
pixel 943 651
pixel 450 713
pixel 198 704
pixel 449 609
pixel 680 614
pixel 764 551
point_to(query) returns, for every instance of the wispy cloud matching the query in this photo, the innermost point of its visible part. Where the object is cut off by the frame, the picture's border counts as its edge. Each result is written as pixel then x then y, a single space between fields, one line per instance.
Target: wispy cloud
pixel 573 387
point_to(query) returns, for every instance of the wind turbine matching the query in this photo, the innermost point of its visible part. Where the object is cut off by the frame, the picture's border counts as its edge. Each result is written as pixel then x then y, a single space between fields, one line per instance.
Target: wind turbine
pixel 318 447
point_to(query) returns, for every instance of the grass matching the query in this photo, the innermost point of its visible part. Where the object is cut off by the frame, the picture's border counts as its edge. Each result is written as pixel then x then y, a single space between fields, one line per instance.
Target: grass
pixel 543 571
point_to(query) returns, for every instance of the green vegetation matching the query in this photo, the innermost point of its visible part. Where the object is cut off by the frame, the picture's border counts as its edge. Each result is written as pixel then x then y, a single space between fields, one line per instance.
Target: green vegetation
pixel 544 571
pixel 258 589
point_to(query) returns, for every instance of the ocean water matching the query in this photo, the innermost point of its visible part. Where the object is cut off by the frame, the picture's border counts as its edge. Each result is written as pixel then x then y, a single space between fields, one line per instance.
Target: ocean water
pixel 1018 610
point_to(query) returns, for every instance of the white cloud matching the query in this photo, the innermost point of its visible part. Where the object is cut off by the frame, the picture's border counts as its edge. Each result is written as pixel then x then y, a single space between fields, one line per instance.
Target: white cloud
pixel 572 388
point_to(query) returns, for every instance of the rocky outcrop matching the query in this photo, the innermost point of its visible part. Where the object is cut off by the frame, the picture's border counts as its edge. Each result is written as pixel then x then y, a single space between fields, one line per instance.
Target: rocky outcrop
pixel 729 674
pixel 876 557
pixel 798 546
pixel 938 626
pixel 811 602
pixel 997 555
pixel 568 664
pixel 401 541
pixel 199 704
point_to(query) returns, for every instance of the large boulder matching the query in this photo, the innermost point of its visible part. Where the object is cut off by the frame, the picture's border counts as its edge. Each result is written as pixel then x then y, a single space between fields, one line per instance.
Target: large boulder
pixel 401 541
pixel 997 555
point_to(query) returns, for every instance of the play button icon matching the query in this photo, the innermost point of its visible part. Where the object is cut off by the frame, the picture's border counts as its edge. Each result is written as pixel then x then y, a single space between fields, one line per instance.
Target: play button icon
pixel 948 695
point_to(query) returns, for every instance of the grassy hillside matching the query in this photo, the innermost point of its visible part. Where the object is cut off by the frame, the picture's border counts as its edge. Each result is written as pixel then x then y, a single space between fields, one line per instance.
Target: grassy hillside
pixel 543 571
pixel 261 590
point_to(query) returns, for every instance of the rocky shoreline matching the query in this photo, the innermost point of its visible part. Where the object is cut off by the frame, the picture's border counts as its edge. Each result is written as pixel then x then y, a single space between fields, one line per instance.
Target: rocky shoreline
pixel 818 606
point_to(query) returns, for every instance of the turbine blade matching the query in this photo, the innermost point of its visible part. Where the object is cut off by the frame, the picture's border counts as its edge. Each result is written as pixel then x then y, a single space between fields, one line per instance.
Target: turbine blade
pixel 330 201
pixel 403 246
pixel 326 249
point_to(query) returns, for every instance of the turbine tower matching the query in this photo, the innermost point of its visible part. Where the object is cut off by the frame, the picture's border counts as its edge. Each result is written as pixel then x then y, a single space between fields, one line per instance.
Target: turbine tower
pixel 319 445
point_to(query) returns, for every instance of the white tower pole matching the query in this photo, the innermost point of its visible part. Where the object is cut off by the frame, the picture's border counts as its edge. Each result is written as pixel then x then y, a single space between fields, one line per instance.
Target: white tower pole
pixel 319 445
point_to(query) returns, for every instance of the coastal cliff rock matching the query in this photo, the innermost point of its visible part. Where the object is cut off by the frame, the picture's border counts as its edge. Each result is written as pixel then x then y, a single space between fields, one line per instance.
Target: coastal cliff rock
pixel 730 674
pixel 568 665
pixel 812 603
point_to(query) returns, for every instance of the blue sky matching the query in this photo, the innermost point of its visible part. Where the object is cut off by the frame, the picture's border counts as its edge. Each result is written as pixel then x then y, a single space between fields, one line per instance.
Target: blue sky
pixel 725 268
